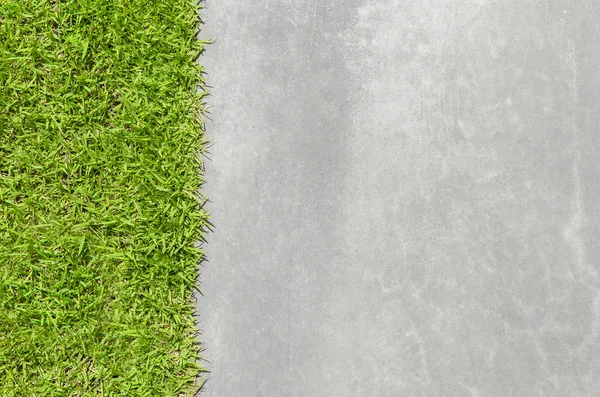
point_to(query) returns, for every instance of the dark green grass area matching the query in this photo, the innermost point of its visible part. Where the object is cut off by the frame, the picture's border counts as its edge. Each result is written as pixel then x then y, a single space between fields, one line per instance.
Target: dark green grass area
pixel 101 145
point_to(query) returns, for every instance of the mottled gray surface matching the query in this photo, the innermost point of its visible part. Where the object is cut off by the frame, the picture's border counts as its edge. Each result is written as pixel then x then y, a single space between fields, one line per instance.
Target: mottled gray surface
pixel 406 196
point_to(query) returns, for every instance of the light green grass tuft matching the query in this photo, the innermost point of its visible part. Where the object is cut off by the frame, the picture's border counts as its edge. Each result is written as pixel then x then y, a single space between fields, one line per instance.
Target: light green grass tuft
pixel 100 159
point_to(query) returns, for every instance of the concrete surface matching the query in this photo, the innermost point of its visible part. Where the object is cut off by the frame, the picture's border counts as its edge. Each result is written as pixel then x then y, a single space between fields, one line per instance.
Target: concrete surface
pixel 406 197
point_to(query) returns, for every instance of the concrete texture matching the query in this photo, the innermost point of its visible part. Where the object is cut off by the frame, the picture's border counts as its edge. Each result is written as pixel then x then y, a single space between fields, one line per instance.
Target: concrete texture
pixel 406 197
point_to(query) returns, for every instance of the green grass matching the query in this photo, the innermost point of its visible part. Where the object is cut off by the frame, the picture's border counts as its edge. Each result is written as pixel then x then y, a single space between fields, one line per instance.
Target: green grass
pixel 101 144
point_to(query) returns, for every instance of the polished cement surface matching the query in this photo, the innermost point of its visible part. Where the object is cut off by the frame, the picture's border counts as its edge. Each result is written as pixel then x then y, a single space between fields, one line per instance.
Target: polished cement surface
pixel 406 197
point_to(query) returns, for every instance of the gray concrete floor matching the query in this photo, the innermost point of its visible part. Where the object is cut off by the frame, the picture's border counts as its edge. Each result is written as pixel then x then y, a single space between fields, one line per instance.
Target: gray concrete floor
pixel 406 197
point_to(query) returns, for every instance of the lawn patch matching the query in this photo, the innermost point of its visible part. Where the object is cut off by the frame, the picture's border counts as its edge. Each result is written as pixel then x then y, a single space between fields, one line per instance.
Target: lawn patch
pixel 100 156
